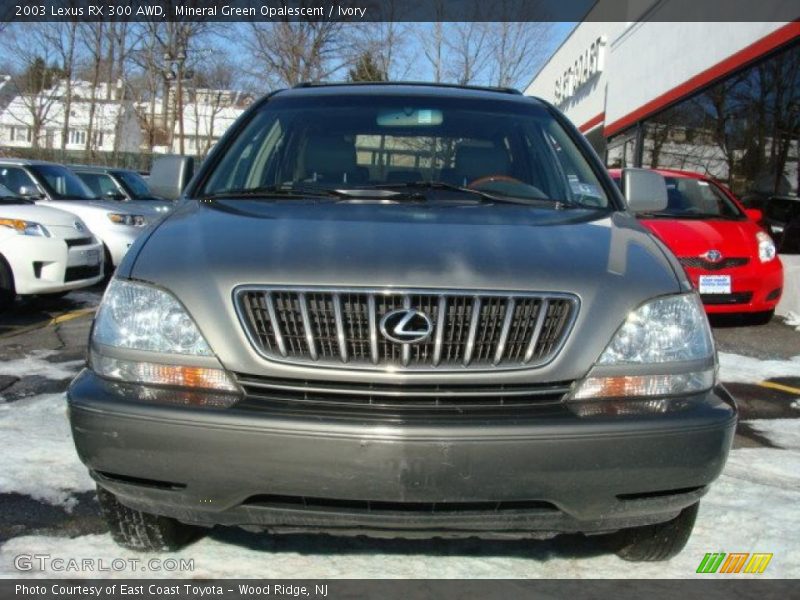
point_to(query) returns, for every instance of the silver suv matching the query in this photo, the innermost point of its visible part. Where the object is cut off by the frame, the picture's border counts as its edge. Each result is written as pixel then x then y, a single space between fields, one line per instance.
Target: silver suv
pixel 404 310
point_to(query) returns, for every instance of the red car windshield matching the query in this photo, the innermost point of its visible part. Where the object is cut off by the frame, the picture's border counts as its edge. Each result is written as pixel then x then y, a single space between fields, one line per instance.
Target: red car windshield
pixel 689 198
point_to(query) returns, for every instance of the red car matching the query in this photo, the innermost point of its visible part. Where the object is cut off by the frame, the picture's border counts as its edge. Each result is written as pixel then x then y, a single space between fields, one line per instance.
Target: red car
pixel 728 257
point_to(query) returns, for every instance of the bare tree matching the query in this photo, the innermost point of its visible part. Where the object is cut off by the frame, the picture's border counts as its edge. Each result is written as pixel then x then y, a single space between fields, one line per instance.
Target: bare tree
pixel 34 77
pixel 62 38
pixel 515 49
pixel 467 47
pixel 289 52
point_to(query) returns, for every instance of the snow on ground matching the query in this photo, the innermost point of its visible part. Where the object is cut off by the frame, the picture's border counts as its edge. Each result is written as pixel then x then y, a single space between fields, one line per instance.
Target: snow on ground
pixel 735 368
pixel 38 457
pixel 753 507
pixel 36 364
pixel 792 319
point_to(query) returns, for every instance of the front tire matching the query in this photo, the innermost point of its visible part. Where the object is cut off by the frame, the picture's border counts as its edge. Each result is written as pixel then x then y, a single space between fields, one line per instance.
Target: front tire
pixel 137 530
pixel 7 290
pixel 650 543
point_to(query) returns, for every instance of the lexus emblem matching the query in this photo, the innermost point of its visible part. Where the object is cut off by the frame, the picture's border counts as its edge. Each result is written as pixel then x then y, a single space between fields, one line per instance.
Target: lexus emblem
pixel 406 326
pixel 713 256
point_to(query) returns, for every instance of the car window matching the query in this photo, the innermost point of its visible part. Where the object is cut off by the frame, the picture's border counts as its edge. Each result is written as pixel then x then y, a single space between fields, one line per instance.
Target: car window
pixel 15 178
pixel 100 183
pixel 134 184
pixel 782 210
pixel 61 183
pixel 695 198
pixel 506 148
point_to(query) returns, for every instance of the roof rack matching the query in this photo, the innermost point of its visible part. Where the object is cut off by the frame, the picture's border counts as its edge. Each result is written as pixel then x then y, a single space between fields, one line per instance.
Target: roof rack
pixel 482 88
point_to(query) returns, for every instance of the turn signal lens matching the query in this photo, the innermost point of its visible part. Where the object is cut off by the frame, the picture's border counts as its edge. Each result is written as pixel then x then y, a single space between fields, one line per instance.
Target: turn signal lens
pixel 643 385
pixel 158 374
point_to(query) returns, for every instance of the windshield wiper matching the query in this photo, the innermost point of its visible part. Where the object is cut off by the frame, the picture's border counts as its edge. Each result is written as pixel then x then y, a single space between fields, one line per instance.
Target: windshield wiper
pixel 271 191
pixel 483 195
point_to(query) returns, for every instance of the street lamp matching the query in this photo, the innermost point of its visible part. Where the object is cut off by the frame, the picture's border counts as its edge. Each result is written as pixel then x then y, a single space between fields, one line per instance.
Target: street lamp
pixel 175 71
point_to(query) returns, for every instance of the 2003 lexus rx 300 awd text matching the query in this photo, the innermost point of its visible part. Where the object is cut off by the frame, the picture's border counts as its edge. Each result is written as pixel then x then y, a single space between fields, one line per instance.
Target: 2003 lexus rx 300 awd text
pixel 404 310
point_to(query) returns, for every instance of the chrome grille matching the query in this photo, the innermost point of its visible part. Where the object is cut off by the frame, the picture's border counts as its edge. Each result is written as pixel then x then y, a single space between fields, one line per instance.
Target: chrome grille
pixel 698 262
pixel 471 330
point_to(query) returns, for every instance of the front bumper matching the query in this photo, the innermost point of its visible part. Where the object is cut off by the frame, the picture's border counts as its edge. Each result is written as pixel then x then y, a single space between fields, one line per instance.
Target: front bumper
pixel 47 265
pixel 282 470
pixel 755 288
pixel 118 239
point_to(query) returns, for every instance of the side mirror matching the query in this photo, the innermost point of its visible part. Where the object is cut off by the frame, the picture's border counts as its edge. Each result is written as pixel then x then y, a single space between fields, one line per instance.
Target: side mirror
pixel 170 174
pixel 112 195
pixel 754 214
pixel 645 190
pixel 27 191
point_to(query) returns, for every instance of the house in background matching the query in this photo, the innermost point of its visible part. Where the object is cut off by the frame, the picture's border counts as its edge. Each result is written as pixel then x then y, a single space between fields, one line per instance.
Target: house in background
pixel 97 120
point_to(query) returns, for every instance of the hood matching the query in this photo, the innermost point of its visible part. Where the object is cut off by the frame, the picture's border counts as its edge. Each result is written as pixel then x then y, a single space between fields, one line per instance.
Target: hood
pixel 106 206
pixel 39 214
pixel 690 237
pixel 605 258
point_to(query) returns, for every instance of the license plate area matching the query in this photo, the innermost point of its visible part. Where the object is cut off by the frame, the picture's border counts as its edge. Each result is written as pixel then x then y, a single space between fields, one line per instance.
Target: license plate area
pixel 715 284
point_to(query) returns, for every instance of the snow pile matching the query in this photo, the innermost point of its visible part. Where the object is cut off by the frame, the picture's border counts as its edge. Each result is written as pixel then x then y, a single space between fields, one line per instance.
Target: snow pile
pixel 38 457
pixel 35 364
pixel 792 319
pixel 753 507
pixel 735 368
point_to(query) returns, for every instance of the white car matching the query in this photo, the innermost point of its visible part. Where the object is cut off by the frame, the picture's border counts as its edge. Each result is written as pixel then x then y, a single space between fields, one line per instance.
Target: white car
pixel 44 250
pixel 54 185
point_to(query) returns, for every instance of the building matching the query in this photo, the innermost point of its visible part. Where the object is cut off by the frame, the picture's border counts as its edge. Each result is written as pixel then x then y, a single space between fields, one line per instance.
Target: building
pixel 718 98
pixel 37 120
pixel 207 114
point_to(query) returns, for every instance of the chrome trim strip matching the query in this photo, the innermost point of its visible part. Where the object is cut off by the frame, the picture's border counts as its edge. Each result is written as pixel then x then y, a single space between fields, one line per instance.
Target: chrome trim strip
pixel 440 320
pixel 312 347
pixel 537 330
pixel 275 324
pixel 373 328
pixel 501 345
pixel 473 329
pixel 238 291
pixel 412 393
pixel 405 352
pixel 337 312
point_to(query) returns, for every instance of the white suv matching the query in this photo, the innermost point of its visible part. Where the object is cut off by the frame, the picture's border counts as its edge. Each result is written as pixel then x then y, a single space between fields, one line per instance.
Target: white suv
pixel 44 250
pixel 50 184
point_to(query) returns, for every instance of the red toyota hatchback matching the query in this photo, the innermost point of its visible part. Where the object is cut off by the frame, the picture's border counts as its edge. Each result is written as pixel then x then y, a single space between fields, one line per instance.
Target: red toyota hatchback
pixel 728 257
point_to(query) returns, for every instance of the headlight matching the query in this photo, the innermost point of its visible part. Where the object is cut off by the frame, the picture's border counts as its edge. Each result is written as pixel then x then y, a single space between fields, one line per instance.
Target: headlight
pixel 141 317
pixel 25 227
pixel 672 329
pixel 766 247
pixel 126 219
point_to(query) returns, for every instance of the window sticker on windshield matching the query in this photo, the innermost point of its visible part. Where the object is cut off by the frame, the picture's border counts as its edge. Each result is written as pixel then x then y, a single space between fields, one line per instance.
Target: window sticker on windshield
pixel 703 183
pixel 425 117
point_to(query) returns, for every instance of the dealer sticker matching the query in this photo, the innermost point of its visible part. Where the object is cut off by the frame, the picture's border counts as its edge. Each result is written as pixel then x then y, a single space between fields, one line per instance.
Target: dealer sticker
pixel 715 284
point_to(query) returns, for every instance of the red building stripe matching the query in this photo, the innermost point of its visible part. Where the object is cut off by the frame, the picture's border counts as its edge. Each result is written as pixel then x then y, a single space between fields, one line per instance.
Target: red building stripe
pixel 752 52
pixel 592 123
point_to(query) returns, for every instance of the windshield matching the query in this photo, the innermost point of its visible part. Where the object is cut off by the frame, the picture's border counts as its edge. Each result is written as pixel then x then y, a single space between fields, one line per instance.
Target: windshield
pixel 6 193
pixel 508 149
pixel 61 183
pixel 695 198
pixel 135 185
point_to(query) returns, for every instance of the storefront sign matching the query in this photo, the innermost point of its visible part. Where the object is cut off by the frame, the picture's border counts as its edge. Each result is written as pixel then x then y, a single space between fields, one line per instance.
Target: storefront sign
pixel 588 64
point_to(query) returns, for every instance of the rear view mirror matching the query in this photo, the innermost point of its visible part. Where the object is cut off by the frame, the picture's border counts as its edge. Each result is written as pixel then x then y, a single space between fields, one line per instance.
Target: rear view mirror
pixel 754 214
pixel 645 190
pixel 27 191
pixel 170 174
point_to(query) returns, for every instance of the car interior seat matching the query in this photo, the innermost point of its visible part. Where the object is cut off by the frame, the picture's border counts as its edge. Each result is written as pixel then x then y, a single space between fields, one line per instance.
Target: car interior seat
pixel 332 159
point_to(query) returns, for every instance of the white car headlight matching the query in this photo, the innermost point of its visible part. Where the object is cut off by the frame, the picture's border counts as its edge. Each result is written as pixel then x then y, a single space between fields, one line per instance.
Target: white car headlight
pixel 25 227
pixel 126 219
pixel 141 317
pixel 766 247
pixel 671 329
